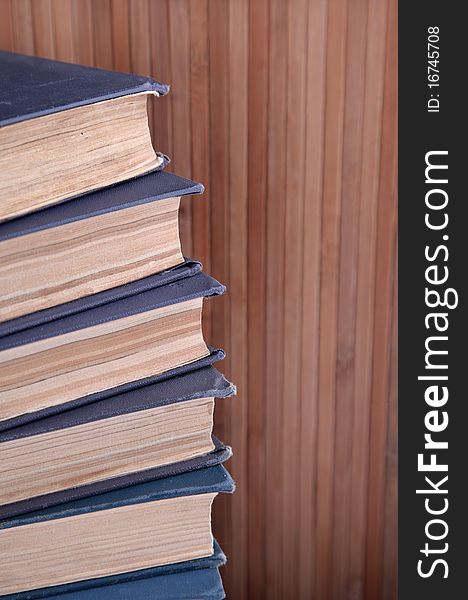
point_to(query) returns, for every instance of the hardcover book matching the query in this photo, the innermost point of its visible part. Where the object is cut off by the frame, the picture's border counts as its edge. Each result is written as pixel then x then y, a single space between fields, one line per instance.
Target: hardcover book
pixel 147 525
pixel 84 246
pixel 144 434
pixel 67 129
pixel 200 584
pixel 103 350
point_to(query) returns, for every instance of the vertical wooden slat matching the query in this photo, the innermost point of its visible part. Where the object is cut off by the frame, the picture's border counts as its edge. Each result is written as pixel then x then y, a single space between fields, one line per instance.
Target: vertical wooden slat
pixel 6 25
pixel 139 31
pixel 44 28
pixel 84 35
pixel 121 35
pixel 286 111
pixel 257 154
pixel 313 191
pixel 364 348
pixel 63 29
pixel 238 263
pixel 102 29
pixel 343 588
pixel 23 31
pixel 295 87
pixel 382 343
pixel 329 284
pixel 274 309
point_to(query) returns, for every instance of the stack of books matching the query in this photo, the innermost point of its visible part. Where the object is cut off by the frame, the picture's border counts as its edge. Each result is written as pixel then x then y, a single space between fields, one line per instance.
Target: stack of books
pixel 108 465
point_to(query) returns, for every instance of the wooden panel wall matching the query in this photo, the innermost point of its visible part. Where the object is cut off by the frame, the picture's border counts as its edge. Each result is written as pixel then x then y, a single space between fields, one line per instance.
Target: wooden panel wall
pixel 286 111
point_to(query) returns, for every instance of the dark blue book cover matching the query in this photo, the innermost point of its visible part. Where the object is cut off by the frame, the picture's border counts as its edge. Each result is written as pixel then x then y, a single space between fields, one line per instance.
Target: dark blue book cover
pixel 33 87
pixel 199 584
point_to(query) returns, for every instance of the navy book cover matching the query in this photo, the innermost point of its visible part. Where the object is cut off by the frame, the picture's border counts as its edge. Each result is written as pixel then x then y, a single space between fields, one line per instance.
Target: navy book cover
pixel 202 584
pixel 33 87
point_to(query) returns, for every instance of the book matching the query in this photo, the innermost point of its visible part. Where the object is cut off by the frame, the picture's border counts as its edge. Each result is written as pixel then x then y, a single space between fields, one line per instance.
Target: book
pixel 124 585
pixel 147 525
pixel 199 584
pixel 144 434
pixel 66 129
pixel 102 240
pixel 95 353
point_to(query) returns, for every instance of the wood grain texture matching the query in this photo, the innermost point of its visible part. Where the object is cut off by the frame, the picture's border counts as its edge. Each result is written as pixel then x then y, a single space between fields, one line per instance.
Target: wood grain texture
pixel 286 111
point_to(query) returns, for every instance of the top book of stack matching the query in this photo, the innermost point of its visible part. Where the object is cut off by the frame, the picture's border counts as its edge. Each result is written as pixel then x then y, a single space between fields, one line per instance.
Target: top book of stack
pixel 67 130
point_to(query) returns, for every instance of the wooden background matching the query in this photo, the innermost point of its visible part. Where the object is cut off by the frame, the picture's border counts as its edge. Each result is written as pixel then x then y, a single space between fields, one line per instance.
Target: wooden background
pixel 286 111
